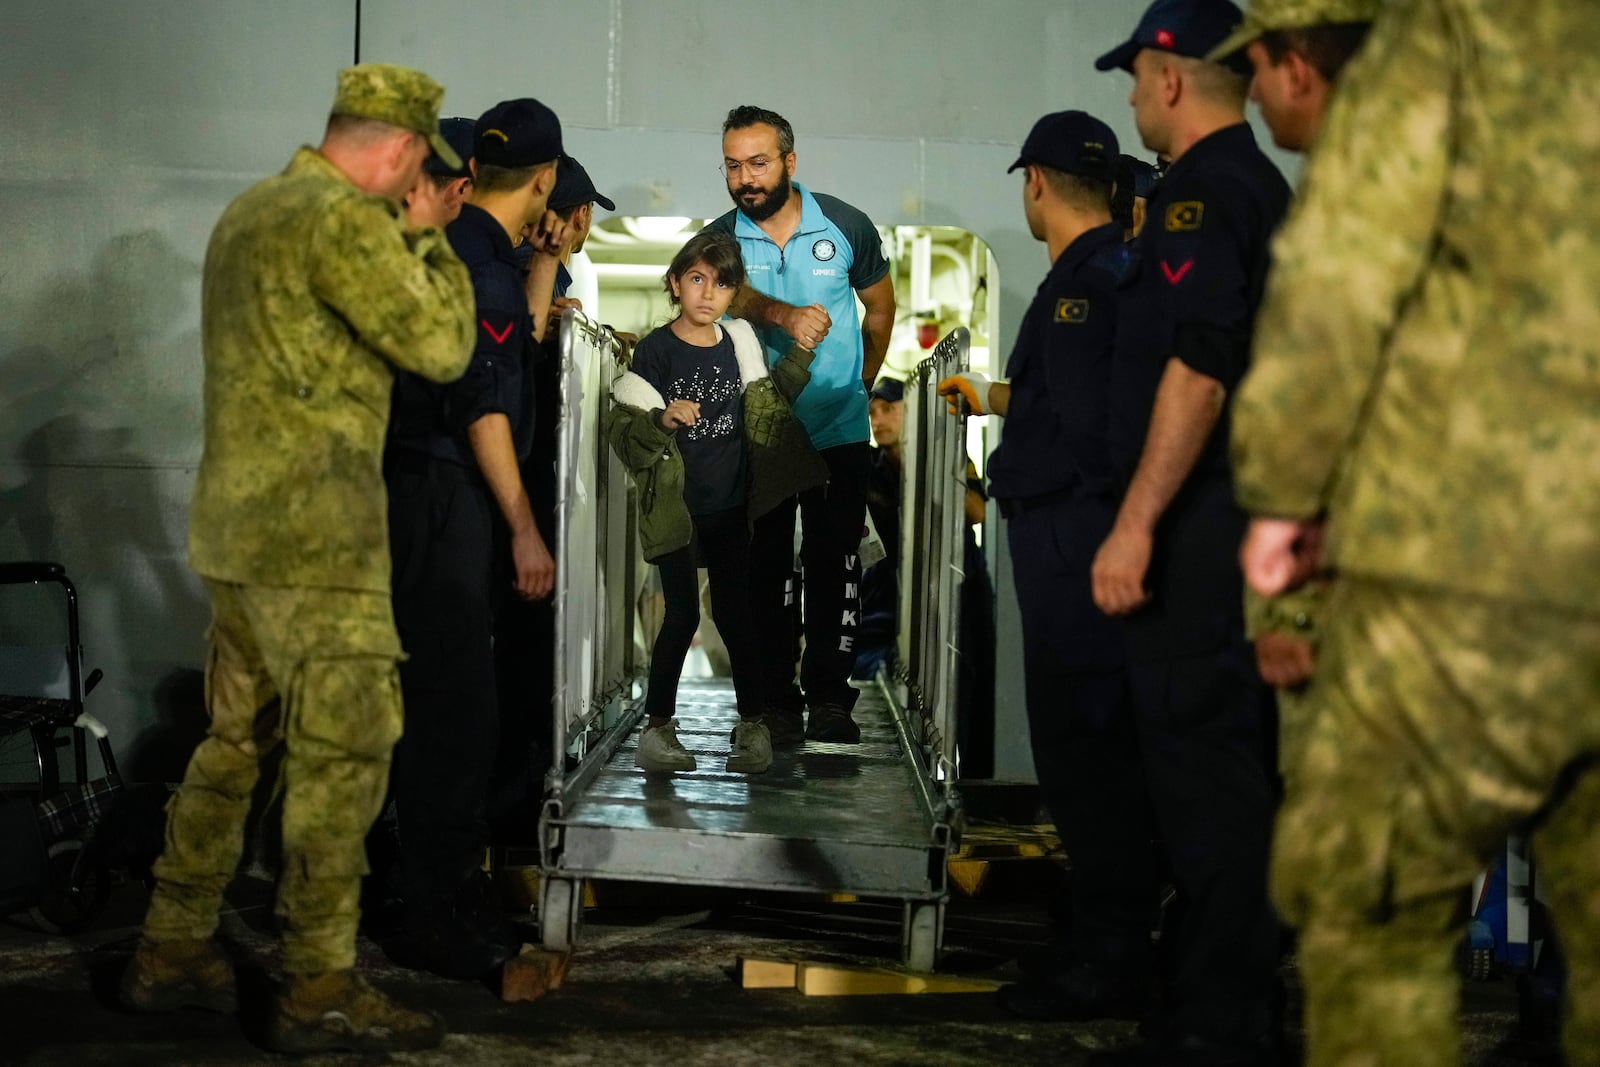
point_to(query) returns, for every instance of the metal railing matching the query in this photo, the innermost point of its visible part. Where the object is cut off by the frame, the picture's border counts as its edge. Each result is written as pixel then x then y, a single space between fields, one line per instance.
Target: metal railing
pixel 933 516
pixel 596 567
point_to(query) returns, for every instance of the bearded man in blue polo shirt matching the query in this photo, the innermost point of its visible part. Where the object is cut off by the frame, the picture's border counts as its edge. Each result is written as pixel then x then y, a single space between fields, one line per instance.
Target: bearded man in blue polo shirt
pixel 807 257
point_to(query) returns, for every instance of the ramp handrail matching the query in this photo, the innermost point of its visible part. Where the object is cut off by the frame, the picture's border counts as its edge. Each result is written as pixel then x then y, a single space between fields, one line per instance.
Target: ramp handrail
pixel 596 565
pixel 933 516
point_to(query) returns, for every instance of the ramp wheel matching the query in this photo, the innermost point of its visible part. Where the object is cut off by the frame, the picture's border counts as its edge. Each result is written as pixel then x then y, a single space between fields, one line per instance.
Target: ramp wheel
pixel 921 930
pixel 560 912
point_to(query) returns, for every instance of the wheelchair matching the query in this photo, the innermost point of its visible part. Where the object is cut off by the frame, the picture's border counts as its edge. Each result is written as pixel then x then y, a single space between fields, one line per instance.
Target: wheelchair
pixel 50 806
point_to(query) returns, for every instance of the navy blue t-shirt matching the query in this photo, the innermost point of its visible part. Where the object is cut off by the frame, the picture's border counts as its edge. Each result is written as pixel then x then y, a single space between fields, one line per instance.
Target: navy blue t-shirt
pixel 713 448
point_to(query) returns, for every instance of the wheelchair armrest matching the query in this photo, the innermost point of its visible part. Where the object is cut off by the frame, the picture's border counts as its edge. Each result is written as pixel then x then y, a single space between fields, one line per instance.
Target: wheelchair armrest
pixel 30 571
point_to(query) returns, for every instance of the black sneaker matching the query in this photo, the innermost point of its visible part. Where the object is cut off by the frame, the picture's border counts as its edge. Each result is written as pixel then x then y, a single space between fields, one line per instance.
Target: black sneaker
pixel 1192 1050
pixel 1073 992
pixel 787 729
pixel 450 947
pixel 830 722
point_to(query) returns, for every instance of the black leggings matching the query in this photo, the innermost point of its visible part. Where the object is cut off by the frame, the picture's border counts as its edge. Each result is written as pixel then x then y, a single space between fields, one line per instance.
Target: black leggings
pixel 723 542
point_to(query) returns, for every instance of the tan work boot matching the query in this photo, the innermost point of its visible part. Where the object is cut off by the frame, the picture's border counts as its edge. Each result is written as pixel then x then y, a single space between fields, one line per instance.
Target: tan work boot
pixel 168 975
pixel 339 1010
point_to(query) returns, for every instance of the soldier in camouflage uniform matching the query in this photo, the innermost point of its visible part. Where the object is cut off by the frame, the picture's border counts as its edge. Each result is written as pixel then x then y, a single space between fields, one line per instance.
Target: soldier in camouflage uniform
pixel 314 291
pixel 1297 49
pixel 1427 375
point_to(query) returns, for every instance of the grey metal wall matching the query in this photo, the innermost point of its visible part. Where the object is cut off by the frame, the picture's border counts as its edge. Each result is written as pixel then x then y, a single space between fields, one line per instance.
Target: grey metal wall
pixel 129 124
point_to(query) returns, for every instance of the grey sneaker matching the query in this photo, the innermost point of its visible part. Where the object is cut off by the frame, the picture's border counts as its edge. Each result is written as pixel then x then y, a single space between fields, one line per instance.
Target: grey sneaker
pixel 752 747
pixel 660 750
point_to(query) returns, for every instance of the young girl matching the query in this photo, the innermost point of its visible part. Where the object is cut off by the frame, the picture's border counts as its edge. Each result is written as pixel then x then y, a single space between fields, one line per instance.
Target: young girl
pixel 707 434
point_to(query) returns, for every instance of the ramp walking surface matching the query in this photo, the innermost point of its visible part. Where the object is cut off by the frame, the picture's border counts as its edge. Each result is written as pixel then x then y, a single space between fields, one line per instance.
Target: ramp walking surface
pixel 824 817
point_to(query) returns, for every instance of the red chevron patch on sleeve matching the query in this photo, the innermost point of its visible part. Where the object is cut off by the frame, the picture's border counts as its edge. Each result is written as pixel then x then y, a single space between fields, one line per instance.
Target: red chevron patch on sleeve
pixel 1176 276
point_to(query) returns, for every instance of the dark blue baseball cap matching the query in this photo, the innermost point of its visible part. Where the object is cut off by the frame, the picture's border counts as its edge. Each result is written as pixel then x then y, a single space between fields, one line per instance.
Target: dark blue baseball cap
pixel 892 390
pixel 1141 175
pixel 1073 142
pixel 573 187
pixel 517 133
pixel 1183 27
pixel 458 134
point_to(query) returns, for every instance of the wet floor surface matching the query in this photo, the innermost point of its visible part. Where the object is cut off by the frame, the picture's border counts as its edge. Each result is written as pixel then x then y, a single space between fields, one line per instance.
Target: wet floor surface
pixel 825 817
pixel 652 983
pixel 858 793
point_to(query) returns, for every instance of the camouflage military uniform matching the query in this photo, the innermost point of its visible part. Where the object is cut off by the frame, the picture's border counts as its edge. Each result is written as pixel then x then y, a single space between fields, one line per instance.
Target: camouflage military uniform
pixel 1293 614
pixel 1427 371
pixel 1265 15
pixel 313 292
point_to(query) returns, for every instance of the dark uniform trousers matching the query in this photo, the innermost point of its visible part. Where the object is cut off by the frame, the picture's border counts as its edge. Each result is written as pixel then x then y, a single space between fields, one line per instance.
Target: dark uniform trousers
pixel 441 532
pixel 1205 722
pixel 831 519
pixel 525 643
pixel 1081 723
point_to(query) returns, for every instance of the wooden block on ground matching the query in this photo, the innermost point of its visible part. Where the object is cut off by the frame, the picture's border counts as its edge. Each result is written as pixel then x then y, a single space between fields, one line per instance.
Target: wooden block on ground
pixel 766 974
pixel 968 875
pixel 532 973
pixel 834 980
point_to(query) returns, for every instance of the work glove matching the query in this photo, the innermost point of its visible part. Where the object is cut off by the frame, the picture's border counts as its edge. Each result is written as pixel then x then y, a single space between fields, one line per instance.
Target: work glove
pixel 969 388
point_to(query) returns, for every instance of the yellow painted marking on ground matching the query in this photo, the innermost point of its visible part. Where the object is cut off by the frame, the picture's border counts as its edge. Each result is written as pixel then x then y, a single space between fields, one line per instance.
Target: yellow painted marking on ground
pixel 833 980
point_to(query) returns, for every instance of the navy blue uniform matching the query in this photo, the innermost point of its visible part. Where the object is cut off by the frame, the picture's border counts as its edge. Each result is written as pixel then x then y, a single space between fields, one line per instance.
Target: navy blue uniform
pixel 1204 716
pixel 443 532
pixel 1051 475
pixel 524 632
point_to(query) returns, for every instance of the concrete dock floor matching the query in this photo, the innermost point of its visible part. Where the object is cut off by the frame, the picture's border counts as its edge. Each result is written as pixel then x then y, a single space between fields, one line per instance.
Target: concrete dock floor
pixel 652 983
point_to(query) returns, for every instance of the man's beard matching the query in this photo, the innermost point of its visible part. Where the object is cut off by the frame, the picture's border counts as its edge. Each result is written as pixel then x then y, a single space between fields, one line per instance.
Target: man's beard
pixel 775 199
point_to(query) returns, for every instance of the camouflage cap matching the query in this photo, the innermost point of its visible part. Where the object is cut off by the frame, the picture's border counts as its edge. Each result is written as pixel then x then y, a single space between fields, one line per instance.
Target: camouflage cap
pixel 1267 15
pixel 399 96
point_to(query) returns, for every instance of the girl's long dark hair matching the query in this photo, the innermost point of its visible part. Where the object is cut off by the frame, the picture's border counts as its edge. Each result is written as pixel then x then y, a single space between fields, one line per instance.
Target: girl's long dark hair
pixel 717 249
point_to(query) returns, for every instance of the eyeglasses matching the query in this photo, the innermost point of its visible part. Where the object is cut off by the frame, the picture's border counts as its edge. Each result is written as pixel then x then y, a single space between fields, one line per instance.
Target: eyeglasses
pixel 756 166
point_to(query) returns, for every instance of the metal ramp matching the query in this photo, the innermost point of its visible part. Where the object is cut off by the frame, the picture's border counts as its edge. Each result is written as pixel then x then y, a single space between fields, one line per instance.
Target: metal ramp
pixel 837 818
pixel 876 819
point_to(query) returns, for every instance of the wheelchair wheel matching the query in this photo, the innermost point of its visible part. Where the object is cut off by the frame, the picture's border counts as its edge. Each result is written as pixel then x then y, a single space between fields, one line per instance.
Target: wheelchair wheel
pixel 78 892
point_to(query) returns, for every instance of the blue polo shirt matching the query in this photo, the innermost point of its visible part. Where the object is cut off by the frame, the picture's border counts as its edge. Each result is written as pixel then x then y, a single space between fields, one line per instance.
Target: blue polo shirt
pixel 833 252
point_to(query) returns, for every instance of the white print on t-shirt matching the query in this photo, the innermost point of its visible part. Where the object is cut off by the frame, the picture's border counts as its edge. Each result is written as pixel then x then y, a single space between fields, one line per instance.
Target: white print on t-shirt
pixel 708 385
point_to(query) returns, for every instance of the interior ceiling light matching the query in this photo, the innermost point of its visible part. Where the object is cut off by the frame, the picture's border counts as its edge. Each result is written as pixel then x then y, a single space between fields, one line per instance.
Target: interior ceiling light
pixel 658 229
